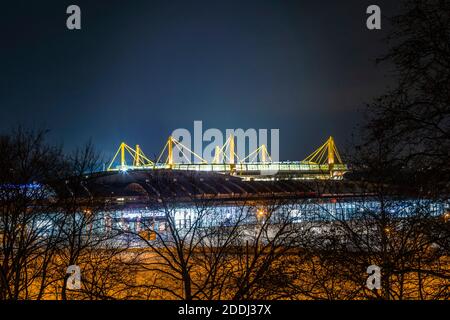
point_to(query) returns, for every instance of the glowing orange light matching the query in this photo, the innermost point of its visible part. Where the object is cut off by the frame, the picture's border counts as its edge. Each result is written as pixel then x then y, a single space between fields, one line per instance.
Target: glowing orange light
pixel 260 212
pixel 447 216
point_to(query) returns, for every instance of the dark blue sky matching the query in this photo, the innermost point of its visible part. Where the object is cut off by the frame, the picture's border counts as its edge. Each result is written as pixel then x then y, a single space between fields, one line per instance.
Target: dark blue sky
pixel 139 69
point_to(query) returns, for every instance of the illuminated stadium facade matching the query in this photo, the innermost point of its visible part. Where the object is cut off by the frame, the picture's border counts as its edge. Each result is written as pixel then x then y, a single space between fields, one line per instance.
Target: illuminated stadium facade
pixel 146 193
pixel 137 199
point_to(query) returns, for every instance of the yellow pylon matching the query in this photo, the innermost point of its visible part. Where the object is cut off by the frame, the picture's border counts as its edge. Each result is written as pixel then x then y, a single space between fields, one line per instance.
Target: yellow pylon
pixel 263 153
pixel 122 155
pixel 232 153
pixel 172 144
pixel 139 159
pixel 331 151
pixel 216 159
pixel 326 154
pixel 170 152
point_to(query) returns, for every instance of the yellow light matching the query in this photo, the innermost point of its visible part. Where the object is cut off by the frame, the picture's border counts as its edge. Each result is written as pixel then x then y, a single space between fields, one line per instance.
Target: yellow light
pixel 260 212
pixel 447 216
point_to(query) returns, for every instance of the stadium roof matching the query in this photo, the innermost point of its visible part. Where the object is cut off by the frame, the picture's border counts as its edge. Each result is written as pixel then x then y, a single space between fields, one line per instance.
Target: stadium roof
pixel 188 185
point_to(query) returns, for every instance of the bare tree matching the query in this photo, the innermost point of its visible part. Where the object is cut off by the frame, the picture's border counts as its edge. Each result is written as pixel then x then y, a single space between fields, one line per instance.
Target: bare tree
pixel 212 248
pixel 105 262
pixel 409 126
pixel 27 238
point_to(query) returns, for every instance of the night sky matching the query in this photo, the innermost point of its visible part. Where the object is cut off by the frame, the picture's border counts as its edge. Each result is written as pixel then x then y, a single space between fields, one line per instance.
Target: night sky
pixel 140 69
